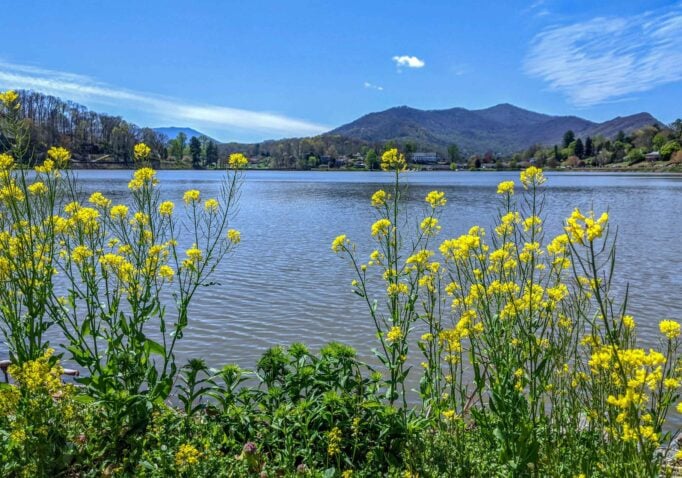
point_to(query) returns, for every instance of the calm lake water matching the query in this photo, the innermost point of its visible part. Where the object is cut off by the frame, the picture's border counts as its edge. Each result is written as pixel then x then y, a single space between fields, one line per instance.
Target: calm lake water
pixel 284 284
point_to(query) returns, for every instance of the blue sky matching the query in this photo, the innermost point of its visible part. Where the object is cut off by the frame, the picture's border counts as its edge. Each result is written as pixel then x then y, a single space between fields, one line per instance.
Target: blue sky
pixel 248 71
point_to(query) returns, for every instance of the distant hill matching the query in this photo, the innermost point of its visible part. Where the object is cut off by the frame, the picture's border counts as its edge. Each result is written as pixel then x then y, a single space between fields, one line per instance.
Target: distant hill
pixel 173 131
pixel 502 129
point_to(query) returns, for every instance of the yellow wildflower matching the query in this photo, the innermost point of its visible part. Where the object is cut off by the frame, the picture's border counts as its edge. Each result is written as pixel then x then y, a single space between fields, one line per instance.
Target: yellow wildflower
pixel 394 334
pixel 186 456
pixel 334 438
pixel 10 99
pixel 98 199
pixel 380 227
pixel 396 289
pixel 38 188
pixel 436 199
pixel 532 177
pixel 429 226
pixel 234 236
pixel 39 374
pixel 237 161
pixel 59 155
pixel 211 205
pixel 194 253
pixel 166 208
pixel 6 162
pixel 119 211
pixel 505 187
pixel 166 272
pixel 379 198
pixel 141 151
pixel 191 196
pixel 392 160
pixel 669 328
pixel 339 243
pixel 80 254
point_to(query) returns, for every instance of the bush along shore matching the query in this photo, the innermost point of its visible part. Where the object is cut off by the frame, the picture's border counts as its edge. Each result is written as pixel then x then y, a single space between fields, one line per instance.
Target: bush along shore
pixel 529 363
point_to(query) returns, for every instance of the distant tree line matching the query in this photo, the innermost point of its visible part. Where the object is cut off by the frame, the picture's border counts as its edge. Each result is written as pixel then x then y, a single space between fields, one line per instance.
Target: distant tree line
pixel 600 151
pixel 52 121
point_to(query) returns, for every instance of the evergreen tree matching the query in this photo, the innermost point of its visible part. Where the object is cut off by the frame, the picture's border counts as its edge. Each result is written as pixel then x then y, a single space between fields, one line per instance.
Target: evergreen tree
pixel 569 137
pixel 211 153
pixel 195 152
pixel 579 148
pixel 589 147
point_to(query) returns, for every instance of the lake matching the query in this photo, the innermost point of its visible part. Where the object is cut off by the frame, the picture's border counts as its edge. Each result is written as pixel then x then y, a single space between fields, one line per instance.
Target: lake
pixel 284 284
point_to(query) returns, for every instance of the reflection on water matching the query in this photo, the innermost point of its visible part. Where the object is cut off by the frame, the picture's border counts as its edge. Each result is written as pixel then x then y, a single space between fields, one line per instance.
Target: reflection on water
pixel 284 284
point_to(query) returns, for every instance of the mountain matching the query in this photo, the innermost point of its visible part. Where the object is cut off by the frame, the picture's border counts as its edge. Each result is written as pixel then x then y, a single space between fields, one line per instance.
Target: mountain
pixel 502 129
pixel 173 131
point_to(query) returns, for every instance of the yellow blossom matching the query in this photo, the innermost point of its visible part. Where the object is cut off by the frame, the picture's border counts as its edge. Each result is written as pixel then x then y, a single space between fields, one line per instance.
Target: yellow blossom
pixel 436 199
pixel 380 227
pixel 120 211
pixel 379 198
pixel 211 205
pixel 234 236
pixel 166 208
pixel 392 160
pixel 59 155
pixel 10 99
pixel 40 374
pixel 166 272
pixel 194 253
pixel 237 161
pixel 141 151
pixel 191 196
pixel 505 187
pixel 186 456
pixel 394 334
pixel 532 176
pixel 429 226
pixel 38 188
pixel 98 199
pixel 669 328
pixel 81 253
pixel 6 161
pixel 339 243
pixel 334 437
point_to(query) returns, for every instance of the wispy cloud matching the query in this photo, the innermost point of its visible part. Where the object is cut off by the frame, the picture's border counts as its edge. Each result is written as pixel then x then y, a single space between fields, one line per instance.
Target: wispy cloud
pixel 164 110
pixel 372 86
pixel 408 61
pixel 608 58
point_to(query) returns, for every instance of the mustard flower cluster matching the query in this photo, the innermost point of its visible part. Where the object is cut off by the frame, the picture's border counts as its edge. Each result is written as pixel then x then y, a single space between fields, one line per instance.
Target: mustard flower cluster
pixel 334 439
pixel 10 99
pixel 187 456
pixel 392 160
pixel 582 229
pixel 237 161
pixel 531 177
pixel 40 375
pixel 141 152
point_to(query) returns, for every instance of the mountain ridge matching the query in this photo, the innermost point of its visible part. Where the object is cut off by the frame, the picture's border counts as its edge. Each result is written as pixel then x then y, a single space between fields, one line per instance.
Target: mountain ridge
pixel 503 128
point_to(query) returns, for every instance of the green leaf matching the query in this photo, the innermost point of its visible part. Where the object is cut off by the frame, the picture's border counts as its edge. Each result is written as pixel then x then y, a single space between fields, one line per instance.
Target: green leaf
pixel 152 347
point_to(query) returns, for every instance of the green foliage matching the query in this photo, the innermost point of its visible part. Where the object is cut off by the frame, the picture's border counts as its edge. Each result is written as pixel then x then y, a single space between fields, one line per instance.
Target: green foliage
pixel 668 149
pixel 195 152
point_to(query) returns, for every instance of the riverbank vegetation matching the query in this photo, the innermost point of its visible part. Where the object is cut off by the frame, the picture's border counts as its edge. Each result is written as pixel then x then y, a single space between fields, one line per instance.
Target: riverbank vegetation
pixel 527 363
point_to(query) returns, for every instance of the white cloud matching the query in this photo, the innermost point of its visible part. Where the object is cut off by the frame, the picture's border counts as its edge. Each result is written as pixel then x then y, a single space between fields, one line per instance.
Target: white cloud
pixel 372 86
pixel 408 61
pixel 82 88
pixel 608 58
